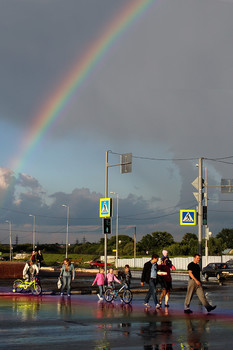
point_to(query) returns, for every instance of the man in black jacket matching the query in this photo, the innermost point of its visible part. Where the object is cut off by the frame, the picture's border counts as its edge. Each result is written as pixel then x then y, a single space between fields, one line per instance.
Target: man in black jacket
pixel 149 275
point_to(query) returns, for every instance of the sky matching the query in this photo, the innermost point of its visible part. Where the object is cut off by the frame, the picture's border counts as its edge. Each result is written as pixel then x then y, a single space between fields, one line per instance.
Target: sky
pixel 80 78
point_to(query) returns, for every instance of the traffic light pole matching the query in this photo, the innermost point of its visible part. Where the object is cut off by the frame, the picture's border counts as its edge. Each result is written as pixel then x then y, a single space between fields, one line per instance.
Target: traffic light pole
pixel 106 196
pixel 200 209
pixel 126 160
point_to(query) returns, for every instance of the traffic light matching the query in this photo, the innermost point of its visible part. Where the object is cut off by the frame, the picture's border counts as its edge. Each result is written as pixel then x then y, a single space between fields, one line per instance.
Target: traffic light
pixel 204 219
pixel 107 225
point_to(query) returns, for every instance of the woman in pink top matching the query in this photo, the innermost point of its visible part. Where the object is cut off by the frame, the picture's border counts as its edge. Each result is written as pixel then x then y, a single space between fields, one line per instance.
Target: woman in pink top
pixel 111 279
pixel 100 280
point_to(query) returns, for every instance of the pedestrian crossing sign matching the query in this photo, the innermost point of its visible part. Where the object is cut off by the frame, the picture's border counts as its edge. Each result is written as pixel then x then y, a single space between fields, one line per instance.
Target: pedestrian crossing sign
pixel 188 217
pixel 105 207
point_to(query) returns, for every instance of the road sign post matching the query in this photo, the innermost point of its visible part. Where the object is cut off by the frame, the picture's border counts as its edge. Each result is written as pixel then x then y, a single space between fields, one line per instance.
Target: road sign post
pixel 126 167
pixel 200 210
pixel 198 183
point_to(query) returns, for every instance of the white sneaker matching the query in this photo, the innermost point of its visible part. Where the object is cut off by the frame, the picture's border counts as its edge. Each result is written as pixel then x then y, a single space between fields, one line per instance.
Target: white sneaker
pixel 158 306
pixel 146 305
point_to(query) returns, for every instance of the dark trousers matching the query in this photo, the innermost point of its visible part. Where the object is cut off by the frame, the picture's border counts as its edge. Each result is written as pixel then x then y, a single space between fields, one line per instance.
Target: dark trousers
pixel 152 291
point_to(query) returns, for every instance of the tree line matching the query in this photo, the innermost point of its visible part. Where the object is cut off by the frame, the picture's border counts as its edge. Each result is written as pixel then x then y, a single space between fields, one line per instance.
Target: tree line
pixel 150 243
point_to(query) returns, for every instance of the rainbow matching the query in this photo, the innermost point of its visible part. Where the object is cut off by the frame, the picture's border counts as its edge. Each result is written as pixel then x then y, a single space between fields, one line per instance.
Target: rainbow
pixel 54 107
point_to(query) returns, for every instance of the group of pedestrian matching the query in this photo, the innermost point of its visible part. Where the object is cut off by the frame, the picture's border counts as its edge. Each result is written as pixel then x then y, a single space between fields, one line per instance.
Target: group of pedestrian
pixel 37 258
pixel 111 279
pixel 152 274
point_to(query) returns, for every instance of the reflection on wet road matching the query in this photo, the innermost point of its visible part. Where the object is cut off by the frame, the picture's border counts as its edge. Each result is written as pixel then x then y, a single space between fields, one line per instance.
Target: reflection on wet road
pixel 81 322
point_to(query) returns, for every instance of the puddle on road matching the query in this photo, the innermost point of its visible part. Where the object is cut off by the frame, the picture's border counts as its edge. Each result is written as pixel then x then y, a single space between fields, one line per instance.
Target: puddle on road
pixel 81 322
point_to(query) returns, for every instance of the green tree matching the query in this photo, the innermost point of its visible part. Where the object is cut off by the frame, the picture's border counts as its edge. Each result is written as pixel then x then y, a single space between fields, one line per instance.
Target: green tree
pixel 146 244
pixel 187 237
pixel 227 236
pixel 174 249
pixel 193 246
pixel 162 239
pixel 155 242
pixel 189 244
pixel 216 246
pixel 128 249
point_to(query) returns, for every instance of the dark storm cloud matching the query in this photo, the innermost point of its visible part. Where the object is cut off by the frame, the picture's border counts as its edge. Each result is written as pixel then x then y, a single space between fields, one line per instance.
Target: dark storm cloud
pixel 28 181
pixel 40 41
pixel 169 78
pixel 83 207
pixel 168 81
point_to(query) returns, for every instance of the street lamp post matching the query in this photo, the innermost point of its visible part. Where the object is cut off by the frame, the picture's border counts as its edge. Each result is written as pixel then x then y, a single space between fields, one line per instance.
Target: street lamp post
pixel 117 216
pixel 119 243
pixel 9 222
pixel 135 246
pixel 67 227
pixel 33 232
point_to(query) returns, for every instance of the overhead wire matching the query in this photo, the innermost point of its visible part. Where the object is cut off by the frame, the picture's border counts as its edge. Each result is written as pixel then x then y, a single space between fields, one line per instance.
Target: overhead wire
pixel 158 159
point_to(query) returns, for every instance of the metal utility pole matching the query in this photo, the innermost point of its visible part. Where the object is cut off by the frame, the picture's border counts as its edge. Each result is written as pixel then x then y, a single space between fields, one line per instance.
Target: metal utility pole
pixel 126 167
pixel 67 227
pixel 33 232
pixel 135 245
pixel 200 208
pixel 9 222
pixel 206 227
pixel 117 219
pixel 206 244
pixel 106 196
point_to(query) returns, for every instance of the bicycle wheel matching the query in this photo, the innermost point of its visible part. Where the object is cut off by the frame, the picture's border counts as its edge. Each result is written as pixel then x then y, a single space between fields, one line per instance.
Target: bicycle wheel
pixel 17 286
pixel 109 295
pixel 36 289
pixel 127 296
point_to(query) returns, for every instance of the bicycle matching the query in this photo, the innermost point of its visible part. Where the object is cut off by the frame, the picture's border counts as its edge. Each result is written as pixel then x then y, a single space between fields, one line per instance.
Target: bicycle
pixel 23 285
pixel 126 294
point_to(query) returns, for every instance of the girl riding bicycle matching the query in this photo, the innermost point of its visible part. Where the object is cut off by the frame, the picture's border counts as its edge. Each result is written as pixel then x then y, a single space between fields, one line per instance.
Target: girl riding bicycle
pixel 30 270
pixel 111 279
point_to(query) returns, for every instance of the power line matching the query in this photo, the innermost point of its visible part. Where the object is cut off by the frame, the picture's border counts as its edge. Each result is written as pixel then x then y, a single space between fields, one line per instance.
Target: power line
pixel 220 160
pixel 158 159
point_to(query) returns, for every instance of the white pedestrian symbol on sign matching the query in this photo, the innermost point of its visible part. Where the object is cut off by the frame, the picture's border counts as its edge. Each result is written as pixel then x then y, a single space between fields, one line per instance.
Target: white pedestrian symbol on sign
pixel 188 218
pixel 104 208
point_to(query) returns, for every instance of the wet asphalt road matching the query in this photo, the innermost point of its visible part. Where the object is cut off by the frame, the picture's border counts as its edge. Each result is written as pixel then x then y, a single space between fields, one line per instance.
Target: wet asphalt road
pixel 81 322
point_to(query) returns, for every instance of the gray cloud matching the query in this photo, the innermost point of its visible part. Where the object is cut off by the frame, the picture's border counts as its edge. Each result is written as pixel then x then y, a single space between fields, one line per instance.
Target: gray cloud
pixel 83 214
pixel 28 181
pixel 40 41
pixel 166 84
